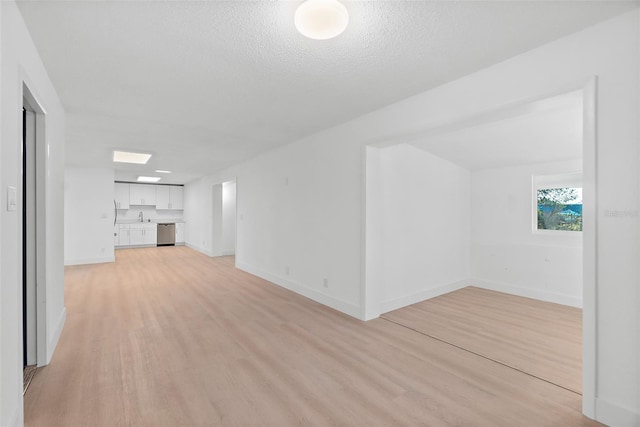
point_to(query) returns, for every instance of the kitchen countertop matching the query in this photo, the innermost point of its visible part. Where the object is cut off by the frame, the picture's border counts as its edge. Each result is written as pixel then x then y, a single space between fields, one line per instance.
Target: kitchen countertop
pixel 153 221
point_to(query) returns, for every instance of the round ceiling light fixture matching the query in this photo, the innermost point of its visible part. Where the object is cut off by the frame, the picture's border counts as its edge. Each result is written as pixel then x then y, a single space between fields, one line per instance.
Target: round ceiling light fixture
pixel 321 19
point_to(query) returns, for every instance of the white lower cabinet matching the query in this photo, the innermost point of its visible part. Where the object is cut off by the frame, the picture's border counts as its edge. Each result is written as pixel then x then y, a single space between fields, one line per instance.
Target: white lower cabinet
pixel 142 234
pixel 179 233
pixel 150 234
pixel 122 235
pixel 135 236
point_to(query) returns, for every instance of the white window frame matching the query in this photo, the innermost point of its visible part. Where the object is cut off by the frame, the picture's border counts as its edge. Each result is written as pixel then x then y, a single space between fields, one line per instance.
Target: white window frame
pixel 541 182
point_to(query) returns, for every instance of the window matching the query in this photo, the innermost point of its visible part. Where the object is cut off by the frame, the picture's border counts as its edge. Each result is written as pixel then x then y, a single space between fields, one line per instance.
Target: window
pixel 558 202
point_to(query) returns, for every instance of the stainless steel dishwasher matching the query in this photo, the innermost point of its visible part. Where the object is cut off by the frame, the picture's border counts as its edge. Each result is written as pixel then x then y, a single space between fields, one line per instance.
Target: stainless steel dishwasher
pixel 166 234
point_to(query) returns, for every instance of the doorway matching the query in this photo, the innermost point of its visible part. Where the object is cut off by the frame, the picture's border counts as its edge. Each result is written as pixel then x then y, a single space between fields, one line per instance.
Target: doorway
pixel 32 226
pixel 229 218
pixel 223 218
pixel 29 342
pixel 448 213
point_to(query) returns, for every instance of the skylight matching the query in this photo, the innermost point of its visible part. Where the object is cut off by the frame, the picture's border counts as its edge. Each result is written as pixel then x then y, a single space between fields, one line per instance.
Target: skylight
pixel 127 157
pixel 149 178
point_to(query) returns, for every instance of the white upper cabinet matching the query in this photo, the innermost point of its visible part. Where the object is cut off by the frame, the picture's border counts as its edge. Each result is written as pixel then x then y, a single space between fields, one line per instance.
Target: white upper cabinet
pixel 121 195
pixel 169 197
pixel 142 195
pixel 176 197
pixel 163 196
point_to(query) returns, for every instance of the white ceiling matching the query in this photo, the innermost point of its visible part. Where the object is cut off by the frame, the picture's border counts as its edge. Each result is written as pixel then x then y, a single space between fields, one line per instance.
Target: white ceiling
pixel 546 131
pixel 204 85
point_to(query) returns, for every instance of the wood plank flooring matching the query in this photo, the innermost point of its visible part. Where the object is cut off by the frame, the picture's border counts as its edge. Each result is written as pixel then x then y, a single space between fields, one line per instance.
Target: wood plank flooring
pixel 537 337
pixel 28 372
pixel 170 337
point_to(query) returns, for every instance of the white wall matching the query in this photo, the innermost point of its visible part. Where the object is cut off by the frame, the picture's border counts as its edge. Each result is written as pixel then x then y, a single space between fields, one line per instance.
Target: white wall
pixel 298 210
pixel 302 205
pixel 228 218
pixel 88 216
pixel 506 254
pixel 20 62
pixel 425 205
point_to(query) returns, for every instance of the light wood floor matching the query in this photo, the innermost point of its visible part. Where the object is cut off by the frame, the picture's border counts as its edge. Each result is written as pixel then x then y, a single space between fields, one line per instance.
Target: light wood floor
pixel 540 338
pixel 170 337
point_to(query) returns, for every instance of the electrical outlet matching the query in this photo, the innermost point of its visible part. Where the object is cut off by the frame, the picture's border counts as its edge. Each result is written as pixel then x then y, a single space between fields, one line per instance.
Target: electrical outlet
pixel 325 282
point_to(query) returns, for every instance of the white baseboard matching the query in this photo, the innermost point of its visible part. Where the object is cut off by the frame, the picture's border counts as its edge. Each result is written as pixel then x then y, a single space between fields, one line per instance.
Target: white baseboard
pixel 55 335
pixel 344 307
pixel 407 300
pixel 199 249
pixel 83 261
pixel 614 415
pixel 227 253
pixel 538 294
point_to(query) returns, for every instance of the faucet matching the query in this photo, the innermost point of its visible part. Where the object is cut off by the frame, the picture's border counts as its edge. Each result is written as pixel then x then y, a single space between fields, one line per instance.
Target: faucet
pixel 141 217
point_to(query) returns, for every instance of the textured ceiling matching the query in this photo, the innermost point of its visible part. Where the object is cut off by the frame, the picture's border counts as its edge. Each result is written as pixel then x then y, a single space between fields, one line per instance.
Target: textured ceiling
pixel 546 131
pixel 204 85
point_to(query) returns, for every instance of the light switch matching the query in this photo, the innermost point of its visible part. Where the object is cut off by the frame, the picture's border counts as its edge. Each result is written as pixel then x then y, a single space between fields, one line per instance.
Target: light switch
pixel 12 198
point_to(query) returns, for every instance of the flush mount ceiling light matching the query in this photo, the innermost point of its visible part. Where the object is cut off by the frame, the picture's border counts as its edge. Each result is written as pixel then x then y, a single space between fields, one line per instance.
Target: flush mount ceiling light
pixel 149 178
pixel 161 171
pixel 127 157
pixel 321 19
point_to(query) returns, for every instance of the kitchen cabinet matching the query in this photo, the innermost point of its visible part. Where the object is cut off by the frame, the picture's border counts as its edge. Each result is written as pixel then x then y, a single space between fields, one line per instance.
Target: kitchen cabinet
pixel 122 235
pixel 179 233
pixel 169 197
pixel 150 234
pixel 121 195
pixel 176 197
pixel 142 195
pixel 135 236
pixel 142 234
pixel 162 197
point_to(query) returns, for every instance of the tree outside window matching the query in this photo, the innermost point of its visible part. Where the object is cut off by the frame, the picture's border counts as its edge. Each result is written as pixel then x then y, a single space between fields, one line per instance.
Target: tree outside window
pixel 560 209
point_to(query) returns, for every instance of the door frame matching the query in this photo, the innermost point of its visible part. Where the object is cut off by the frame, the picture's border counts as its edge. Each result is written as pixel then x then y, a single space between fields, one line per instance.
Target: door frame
pixel 370 271
pixel 39 172
pixel 217 229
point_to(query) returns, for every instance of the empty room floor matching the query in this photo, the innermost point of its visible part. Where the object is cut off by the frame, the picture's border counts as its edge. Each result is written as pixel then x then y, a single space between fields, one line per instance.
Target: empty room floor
pixel 540 338
pixel 171 337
